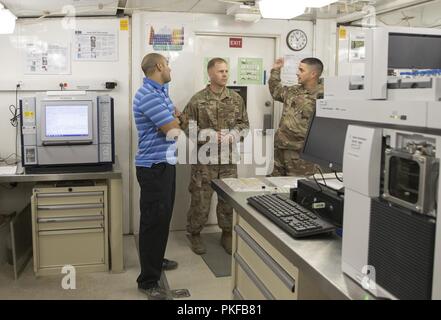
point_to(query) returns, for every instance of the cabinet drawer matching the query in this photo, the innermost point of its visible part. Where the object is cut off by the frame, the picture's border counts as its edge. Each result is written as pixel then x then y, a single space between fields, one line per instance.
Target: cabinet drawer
pixel 270 249
pixel 66 223
pixel 71 210
pixel 64 198
pixel 246 287
pixel 75 247
pixel 279 282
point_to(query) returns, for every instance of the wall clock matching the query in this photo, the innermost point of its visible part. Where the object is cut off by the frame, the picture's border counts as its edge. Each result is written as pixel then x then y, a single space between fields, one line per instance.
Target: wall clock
pixel 296 40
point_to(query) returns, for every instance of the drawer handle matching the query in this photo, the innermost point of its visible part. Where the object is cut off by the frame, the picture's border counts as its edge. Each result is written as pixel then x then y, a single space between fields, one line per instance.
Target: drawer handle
pixel 70 206
pixel 254 278
pixel 70 219
pixel 69 194
pixel 267 259
pixel 64 232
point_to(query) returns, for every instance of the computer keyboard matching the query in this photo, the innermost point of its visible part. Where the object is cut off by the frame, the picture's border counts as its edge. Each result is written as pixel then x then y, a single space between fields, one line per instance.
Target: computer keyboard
pixel 294 219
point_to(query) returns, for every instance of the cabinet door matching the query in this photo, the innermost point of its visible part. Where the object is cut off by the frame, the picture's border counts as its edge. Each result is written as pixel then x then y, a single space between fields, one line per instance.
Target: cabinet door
pixel 75 247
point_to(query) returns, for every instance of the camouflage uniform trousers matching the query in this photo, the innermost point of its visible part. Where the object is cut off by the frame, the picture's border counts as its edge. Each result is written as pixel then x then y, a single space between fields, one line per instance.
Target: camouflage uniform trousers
pixel 201 192
pixel 287 162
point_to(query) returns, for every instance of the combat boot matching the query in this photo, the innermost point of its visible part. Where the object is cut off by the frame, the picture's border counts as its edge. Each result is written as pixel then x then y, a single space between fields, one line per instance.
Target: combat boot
pixel 226 241
pixel 197 245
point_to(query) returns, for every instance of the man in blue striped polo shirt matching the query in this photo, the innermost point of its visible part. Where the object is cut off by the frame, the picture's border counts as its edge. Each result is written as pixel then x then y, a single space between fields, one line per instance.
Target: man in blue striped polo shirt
pixel 156 122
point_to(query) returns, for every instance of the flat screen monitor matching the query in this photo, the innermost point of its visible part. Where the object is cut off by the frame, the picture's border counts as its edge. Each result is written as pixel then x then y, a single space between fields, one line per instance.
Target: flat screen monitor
pixel 67 121
pixel 414 51
pixel 325 142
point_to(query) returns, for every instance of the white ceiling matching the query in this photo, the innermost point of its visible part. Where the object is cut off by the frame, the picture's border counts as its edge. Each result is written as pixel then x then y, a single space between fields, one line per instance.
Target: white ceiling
pixel 386 9
pixel 196 6
pixel 26 8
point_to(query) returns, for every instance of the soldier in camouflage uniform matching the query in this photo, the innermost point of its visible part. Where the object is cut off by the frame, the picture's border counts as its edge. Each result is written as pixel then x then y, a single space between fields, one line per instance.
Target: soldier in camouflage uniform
pixel 218 108
pixel 298 107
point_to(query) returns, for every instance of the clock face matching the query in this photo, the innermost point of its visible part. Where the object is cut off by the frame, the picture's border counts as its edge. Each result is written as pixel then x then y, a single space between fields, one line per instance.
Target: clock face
pixel 296 40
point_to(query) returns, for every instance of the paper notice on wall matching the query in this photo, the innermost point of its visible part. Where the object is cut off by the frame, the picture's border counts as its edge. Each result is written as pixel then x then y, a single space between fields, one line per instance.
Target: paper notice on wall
pixel 342 33
pixel 46 58
pixel 96 45
pixel 357 48
pixel 290 67
pixel 124 24
pixel 250 71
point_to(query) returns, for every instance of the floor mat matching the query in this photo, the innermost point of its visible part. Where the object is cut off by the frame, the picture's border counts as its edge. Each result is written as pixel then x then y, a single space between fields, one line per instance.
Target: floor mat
pixel 215 257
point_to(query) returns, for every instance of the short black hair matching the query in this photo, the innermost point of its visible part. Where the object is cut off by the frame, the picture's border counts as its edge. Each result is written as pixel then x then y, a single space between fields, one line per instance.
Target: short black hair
pixel 148 64
pixel 213 61
pixel 314 62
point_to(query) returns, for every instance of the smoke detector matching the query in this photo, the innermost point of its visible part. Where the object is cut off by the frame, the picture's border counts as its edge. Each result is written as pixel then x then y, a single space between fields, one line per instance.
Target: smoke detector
pixel 244 12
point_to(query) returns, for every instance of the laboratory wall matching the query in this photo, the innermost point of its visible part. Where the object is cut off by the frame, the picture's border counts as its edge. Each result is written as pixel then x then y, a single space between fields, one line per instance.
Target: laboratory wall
pixel 325 44
pixel 123 66
pixel 185 64
pixel 27 58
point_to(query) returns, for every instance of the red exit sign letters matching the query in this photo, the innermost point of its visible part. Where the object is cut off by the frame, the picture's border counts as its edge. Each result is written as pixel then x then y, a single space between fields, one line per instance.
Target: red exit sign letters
pixel 235 42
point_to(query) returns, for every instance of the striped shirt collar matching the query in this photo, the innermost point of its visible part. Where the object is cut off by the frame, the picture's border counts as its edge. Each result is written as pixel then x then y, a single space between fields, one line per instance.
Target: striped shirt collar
pixel 154 84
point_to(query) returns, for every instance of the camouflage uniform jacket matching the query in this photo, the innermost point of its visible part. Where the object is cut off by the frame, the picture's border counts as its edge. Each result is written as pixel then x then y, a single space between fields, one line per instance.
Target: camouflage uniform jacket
pixel 298 107
pixel 217 112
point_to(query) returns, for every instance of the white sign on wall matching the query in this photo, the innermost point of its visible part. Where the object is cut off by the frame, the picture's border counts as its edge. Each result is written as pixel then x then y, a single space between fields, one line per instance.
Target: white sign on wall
pixel 96 45
pixel 357 48
pixel 46 58
pixel 290 68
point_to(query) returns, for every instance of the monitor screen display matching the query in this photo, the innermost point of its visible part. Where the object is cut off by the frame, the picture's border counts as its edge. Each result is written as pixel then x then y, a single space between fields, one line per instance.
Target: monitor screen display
pixel 325 141
pixel 414 51
pixel 67 121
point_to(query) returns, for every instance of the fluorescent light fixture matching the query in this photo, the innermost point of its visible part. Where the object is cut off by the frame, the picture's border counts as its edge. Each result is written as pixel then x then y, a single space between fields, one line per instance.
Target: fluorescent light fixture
pixel 7 20
pixel 247 17
pixel 281 9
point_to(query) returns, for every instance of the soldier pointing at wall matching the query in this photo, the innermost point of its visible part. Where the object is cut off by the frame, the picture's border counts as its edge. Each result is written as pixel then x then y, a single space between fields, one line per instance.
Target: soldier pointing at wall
pixel 298 108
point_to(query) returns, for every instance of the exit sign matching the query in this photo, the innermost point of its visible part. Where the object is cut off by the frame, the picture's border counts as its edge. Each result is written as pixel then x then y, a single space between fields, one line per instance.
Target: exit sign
pixel 235 42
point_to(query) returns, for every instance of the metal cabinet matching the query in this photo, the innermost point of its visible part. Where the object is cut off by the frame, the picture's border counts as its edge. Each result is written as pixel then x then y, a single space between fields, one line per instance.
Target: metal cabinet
pixel 259 270
pixel 69 226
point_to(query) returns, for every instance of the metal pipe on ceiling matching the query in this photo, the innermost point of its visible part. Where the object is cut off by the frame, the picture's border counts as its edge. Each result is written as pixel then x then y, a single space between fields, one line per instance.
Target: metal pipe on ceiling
pixel 355 16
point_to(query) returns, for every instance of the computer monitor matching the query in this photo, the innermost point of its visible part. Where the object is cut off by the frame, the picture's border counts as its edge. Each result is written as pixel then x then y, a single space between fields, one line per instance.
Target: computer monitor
pixel 405 51
pixel 66 121
pixel 325 141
